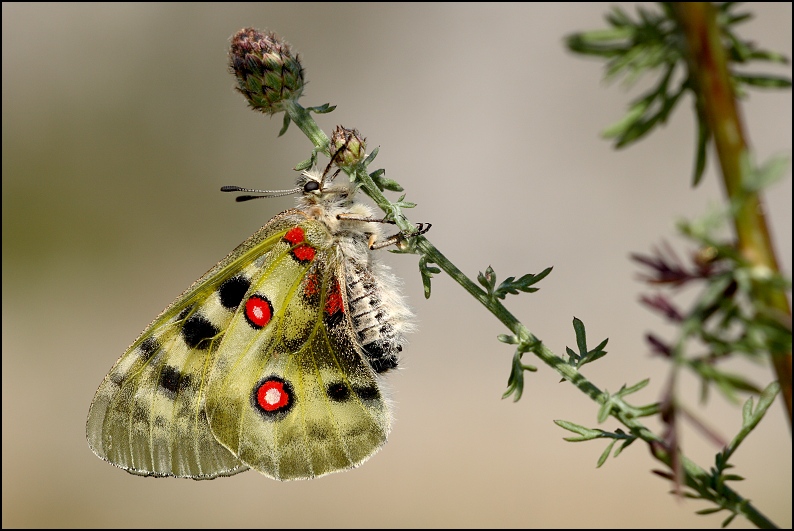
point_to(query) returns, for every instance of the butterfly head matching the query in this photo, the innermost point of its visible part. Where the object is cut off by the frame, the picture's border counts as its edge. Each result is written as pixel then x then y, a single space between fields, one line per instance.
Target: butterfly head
pixel 320 189
pixel 314 189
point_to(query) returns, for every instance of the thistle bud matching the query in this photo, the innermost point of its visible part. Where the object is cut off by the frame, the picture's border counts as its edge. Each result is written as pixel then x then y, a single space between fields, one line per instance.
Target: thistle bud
pixel 266 71
pixel 348 146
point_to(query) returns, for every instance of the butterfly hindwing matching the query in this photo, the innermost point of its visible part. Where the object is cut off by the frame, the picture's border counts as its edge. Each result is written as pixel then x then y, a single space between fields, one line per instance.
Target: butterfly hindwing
pixel 148 414
pixel 291 393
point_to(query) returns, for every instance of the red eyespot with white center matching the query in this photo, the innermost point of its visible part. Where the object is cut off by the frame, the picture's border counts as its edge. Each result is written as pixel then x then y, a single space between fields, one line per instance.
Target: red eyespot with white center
pixel 258 311
pixel 273 396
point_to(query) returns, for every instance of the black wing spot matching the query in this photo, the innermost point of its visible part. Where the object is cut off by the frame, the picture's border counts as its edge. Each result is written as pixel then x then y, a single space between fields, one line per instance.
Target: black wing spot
pixel 197 331
pixel 149 346
pixel 117 378
pixel 338 392
pixel 367 393
pixel 232 292
pixel 171 380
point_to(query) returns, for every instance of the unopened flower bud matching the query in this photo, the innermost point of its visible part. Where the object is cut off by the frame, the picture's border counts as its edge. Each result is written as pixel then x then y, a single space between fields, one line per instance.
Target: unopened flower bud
pixel 348 146
pixel 266 71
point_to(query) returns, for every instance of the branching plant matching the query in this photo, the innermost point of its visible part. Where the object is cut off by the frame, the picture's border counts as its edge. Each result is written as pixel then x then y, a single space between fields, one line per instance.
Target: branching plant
pixel 742 309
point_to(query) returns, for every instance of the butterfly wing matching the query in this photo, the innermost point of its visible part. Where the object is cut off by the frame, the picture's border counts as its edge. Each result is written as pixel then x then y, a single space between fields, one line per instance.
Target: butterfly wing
pixel 291 394
pixel 148 415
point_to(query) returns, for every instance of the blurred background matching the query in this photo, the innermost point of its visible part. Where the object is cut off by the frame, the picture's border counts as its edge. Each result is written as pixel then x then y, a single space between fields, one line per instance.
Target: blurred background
pixel 120 124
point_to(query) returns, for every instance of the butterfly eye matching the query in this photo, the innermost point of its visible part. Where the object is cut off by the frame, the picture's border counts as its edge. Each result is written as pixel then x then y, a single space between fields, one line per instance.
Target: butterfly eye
pixel 311 186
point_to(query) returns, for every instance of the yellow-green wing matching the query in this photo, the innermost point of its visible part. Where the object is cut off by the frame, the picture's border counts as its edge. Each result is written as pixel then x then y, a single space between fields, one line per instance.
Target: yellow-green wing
pixel 291 394
pixel 148 414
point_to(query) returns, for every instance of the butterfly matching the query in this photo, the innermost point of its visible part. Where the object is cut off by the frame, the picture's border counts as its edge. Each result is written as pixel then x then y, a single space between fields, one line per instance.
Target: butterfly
pixel 272 360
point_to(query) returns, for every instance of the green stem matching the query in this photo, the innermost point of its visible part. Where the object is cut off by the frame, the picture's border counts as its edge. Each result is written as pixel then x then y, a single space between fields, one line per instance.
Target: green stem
pixel 303 119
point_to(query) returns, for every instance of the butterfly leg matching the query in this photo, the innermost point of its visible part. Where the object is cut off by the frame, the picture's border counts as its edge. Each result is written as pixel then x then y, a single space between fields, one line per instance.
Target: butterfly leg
pixel 400 237
pixel 395 239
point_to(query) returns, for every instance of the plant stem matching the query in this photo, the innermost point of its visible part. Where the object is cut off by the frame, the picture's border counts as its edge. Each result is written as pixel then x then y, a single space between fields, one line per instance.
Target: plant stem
pixel 306 123
pixel 716 100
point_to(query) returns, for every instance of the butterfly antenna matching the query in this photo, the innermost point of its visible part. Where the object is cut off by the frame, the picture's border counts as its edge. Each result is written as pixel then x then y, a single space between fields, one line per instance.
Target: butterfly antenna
pixel 323 180
pixel 266 193
pixel 331 163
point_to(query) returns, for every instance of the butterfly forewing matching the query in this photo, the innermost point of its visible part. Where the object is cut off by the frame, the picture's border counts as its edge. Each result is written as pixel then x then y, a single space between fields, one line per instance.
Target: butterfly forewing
pixel 148 414
pixel 291 394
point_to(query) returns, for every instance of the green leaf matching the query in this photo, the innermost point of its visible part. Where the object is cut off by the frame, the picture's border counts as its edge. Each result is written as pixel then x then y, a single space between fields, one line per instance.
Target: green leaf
pixel 604 410
pixel 625 391
pixel 747 412
pixel 384 183
pixel 605 453
pixel 515 383
pixel 584 356
pixel 596 353
pixel 284 125
pixel 623 125
pixel 371 157
pixel 763 80
pixel 581 336
pixel 400 203
pixel 701 153
pixel 623 446
pixel 510 339
pixel 325 108
pixel 427 271
pixel 305 165
pixel 710 510
pixel 764 176
pixel 513 286
pixel 487 280
pixel 727 521
pixel 585 434
pixel 647 411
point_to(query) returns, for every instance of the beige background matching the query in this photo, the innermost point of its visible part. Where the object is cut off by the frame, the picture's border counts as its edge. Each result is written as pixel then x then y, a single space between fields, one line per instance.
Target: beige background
pixel 119 126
